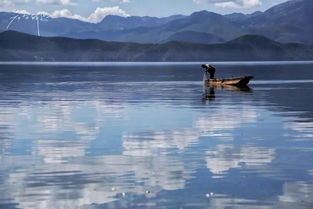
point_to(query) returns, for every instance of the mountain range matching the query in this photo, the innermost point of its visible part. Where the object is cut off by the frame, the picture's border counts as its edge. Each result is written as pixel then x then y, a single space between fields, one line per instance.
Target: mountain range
pixel 16 46
pixel 287 22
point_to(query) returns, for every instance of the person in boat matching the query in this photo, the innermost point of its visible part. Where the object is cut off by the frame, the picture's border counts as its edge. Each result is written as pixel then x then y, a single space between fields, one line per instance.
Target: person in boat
pixel 209 69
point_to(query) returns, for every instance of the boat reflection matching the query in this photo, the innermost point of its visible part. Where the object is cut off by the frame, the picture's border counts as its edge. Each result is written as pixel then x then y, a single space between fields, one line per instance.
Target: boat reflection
pixel 209 92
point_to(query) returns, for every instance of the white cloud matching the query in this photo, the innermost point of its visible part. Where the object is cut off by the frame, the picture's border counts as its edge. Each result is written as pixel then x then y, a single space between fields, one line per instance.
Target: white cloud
pixel 237 4
pixel 24 12
pixel 228 4
pixel 21 1
pixel 64 13
pixel 100 13
pixel 94 17
pixel 44 13
pixel 115 1
pixel 56 2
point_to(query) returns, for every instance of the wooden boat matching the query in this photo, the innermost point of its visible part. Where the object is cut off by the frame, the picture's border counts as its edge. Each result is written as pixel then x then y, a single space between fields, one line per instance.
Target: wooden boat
pixel 236 81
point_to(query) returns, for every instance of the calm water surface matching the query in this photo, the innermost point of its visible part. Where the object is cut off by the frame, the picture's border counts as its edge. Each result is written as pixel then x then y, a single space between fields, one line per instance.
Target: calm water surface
pixel 147 136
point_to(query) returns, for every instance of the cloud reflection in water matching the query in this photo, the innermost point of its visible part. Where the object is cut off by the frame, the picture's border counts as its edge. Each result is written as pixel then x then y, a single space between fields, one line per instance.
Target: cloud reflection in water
pixel 102 145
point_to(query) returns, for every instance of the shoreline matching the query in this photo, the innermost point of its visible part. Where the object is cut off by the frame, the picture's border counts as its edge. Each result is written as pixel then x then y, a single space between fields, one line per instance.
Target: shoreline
pixel 57 63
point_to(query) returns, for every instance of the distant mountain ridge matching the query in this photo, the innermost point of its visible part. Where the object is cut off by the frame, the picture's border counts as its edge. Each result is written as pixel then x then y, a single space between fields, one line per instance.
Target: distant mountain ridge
pixel 194 37
pixel 286 22
pixel 15 46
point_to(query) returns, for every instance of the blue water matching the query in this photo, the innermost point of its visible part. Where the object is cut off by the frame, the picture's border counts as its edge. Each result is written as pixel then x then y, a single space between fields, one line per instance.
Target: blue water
pixel 148 135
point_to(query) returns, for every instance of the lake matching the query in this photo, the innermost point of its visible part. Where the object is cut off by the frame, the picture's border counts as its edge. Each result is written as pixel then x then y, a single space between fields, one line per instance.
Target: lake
pixel 148 135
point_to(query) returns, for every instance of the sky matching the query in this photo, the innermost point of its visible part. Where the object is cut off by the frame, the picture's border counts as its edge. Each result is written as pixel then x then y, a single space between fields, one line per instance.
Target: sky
pixel 96 10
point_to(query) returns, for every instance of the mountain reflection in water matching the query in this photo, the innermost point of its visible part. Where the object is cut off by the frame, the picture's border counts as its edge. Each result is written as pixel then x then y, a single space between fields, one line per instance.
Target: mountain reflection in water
pixel 149 137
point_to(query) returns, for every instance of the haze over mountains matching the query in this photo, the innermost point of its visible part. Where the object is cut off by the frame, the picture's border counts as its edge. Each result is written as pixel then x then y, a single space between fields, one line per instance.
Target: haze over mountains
pixel 15 46
pixel 287 22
